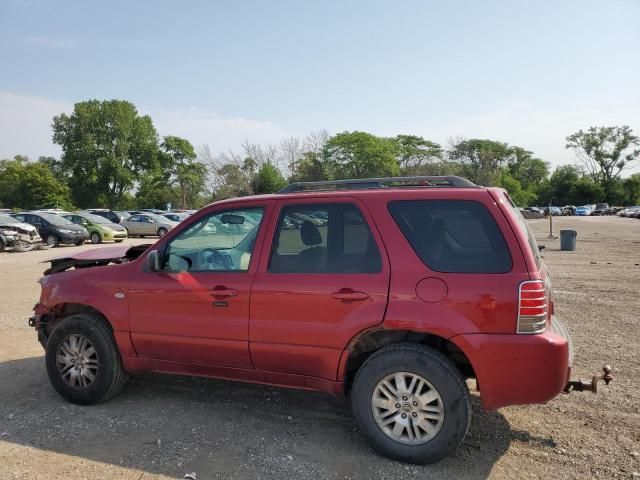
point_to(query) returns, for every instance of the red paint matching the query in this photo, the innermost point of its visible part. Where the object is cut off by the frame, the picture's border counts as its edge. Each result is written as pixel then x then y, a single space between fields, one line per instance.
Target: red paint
pixel 298 330
pixel 431 290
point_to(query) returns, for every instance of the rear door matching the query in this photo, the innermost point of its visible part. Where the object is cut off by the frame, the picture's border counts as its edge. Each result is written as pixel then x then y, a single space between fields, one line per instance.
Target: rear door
pixel 323 278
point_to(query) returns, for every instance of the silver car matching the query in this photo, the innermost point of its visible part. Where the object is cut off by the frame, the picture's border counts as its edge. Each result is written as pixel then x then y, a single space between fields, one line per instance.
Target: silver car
pixel 148 224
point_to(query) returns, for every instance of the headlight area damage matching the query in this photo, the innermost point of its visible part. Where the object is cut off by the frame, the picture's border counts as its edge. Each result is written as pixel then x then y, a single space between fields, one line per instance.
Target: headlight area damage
pixel 17 238
pixel 98 257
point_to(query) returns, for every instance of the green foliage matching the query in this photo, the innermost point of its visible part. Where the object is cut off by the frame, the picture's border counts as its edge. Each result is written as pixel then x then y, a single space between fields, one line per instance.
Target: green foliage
pixel 528 170
pixel 268 179
pixel 28 185
pixel 179 167
pixel 605 152
pixel 310 168
pixel 520 196
pixel 481 160
pixel 415 155
pixel 631 189
pixel 360 155
pixel 107 147
pixel 235 180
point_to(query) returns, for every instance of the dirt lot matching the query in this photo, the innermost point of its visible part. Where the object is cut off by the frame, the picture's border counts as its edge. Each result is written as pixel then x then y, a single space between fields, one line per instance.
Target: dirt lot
pixel 164 427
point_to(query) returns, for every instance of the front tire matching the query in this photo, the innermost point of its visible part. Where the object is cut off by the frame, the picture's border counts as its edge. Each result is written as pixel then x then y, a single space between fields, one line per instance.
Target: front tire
pixel 52 240
pixel 83 362
pixel 96 238
pixel 162 232
pixel 411 403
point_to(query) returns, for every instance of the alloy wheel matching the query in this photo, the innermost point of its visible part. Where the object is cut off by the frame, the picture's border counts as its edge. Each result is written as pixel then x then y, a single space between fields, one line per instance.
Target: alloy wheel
pixel 77 361
pixel 407 408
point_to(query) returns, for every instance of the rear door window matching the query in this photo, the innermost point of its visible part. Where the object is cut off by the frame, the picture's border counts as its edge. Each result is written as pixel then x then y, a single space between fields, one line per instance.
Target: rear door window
pixel 324 238
pixel 453 236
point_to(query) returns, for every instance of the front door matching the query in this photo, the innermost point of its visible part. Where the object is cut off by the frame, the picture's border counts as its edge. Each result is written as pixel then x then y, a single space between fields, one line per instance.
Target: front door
pixel 323 280
pixel 196 308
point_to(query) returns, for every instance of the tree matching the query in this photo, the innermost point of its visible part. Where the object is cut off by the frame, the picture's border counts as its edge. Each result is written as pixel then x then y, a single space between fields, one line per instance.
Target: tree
pixel 178 158
pixel 529 171
pixel 631 187
pixel 28 185
pixel 106 148
pixel 605 152
pixel 561 184
pixel 586 191
pixel 360 155
pixel 311 168
pixel 268 179
pixel 481 160
pixel 413 153
pixel 520 196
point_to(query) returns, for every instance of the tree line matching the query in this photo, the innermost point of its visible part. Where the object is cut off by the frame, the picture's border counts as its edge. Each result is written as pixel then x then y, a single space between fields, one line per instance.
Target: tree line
pixel 113 157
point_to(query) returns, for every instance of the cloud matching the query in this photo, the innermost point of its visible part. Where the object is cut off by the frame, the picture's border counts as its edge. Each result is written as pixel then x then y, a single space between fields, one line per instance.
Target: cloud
pixel 221 134
pixel 25 126
pixel 541 131
pixel 50 42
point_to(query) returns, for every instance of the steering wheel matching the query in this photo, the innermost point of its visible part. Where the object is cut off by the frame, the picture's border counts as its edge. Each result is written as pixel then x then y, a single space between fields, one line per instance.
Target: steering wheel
pixel 213 259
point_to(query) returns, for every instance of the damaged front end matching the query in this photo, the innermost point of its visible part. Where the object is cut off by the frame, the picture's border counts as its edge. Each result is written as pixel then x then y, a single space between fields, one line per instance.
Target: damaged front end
pixel 19 238
pixel 96 258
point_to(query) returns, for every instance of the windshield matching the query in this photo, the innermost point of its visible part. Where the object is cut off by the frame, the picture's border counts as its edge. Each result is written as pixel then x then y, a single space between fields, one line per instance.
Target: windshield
pixel 54 219
pixel 8 219
pixel 158 218
pixel 96 218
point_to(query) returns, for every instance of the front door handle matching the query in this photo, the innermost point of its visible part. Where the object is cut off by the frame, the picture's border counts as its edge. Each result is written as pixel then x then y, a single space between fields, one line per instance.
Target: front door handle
pixel 222 291
pixel 349 294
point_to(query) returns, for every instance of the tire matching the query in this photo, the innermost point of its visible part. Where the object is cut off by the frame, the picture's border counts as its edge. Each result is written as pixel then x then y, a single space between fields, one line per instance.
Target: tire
pixel 109 377
pixel 52 240
pixel 96 238
pixel 81 242
pixel 162 232
pixel 444 435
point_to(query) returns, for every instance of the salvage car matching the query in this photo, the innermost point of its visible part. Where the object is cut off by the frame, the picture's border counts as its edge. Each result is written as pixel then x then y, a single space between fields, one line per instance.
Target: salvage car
pixel 100 229
pixel 295 289
pixel 54 228
pixel 17 235
pixel 148 224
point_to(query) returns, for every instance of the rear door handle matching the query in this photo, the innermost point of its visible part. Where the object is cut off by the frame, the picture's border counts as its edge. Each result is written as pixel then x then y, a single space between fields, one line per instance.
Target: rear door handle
pixel 221 291
pixel 349 294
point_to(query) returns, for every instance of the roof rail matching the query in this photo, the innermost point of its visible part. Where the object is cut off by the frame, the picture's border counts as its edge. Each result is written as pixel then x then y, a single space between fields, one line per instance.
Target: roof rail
pixel 385 182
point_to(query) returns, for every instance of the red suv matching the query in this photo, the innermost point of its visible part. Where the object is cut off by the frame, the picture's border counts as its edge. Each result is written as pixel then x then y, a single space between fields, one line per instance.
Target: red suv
pixel 394 291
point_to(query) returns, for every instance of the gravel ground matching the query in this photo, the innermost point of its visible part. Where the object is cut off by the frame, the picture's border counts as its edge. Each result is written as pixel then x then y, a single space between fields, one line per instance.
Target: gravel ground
pixel 163 427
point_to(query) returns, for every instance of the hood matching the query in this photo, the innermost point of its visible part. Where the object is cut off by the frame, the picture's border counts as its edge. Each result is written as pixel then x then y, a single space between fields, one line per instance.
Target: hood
pixel 19 226
pixel 96 257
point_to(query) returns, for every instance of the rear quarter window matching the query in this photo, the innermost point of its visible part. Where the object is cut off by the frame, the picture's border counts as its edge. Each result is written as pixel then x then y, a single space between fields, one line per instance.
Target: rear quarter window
pixel 453 236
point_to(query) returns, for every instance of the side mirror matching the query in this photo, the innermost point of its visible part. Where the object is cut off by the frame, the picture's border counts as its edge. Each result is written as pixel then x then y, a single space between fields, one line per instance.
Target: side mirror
pixel 153 261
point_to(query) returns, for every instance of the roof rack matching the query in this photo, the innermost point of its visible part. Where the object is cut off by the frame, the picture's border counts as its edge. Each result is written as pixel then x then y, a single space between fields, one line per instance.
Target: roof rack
pixel 385 182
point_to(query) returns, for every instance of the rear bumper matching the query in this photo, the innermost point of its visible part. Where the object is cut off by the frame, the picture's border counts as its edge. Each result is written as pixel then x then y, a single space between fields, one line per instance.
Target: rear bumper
pixel 519 369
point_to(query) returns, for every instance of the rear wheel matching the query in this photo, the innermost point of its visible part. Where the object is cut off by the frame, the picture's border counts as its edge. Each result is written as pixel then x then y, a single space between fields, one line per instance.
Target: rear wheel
pixel 83 362
pixel 52 240
pixel 96 238
pixel 162 232
pixel 411 403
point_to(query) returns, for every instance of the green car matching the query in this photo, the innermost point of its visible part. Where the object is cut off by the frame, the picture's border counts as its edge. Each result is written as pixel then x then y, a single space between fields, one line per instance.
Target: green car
pixel 100 229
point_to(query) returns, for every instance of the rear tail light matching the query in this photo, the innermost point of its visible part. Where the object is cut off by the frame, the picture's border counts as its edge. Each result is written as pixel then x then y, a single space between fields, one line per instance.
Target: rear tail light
pixel 533 307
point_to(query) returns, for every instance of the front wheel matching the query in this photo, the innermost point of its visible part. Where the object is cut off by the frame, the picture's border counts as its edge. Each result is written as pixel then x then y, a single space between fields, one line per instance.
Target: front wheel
pixel 83 362
pixel 411 403
pixel 52 240
pixel 162 232
pixel 96 238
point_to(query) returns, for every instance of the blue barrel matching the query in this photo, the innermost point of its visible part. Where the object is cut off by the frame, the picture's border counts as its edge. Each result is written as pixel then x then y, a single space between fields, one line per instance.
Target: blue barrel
pixel 568 240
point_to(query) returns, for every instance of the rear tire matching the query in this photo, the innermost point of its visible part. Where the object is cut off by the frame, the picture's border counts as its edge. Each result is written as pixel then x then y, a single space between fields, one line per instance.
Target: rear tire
pixel 98 376
pixel 439 401
pixel 162 232
pixel 96 238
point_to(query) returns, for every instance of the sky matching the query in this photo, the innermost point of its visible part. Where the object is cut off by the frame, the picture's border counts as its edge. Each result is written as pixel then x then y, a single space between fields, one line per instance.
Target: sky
pixel 528 73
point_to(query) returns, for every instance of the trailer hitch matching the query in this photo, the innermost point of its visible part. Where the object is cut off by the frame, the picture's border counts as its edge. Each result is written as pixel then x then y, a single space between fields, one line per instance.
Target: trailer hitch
pixel 592 386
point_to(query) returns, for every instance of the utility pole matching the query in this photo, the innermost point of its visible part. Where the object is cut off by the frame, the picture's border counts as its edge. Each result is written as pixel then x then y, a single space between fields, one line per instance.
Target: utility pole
pixel 550 219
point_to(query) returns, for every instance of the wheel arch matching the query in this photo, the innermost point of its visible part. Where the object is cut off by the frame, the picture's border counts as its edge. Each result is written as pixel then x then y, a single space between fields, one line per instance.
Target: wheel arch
pixel 363 345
